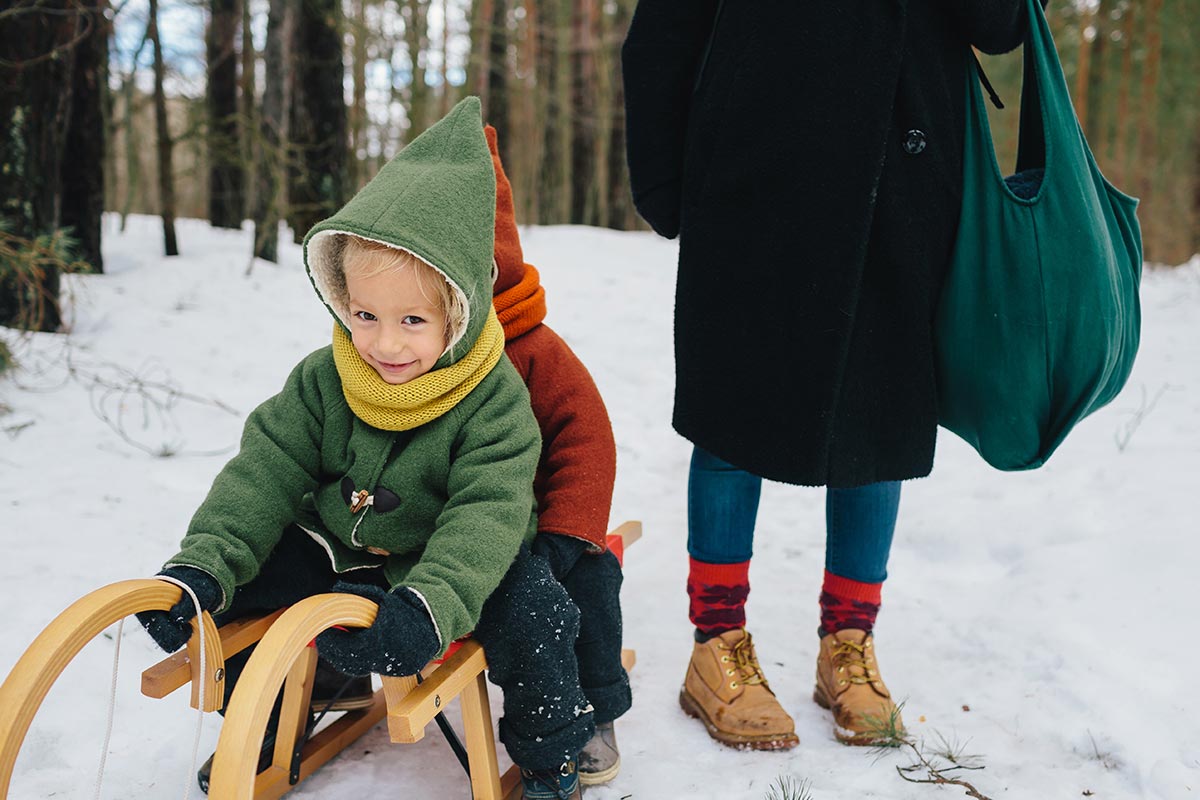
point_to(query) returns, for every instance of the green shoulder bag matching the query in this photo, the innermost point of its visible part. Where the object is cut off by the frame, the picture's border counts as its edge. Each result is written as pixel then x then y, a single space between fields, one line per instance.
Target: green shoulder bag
pixel 1038 322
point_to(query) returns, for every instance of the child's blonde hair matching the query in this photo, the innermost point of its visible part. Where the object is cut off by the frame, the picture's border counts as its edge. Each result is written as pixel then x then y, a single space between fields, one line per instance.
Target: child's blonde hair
pixel 371 258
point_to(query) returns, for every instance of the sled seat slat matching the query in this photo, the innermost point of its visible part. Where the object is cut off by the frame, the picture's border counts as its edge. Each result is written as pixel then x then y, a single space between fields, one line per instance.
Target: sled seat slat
pixel 416 709
pixel 175 670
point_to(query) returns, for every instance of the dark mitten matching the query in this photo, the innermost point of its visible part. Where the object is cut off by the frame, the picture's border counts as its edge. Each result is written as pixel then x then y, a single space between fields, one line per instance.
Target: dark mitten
pixel 561 551
pixel 660 207
pixel 171 629
pixel 401 641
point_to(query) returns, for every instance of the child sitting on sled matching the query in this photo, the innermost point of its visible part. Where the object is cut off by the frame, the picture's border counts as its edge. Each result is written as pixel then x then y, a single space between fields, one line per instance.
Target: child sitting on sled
pixel 399 462
pixel 574 482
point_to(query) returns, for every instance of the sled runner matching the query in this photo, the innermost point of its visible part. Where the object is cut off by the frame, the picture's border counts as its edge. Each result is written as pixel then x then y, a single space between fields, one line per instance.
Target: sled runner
pixel 284 658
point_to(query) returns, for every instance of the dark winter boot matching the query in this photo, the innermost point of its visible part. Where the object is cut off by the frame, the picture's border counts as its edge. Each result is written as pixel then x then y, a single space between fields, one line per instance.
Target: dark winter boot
pixel 204 774
pixel 265 753
pixel 333 691
pixel 600 760
pixel 556 783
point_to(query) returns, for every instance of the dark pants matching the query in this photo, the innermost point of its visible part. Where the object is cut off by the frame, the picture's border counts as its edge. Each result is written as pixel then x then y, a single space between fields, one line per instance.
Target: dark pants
pixel 297 568
pixel 594 583
pixel 528 630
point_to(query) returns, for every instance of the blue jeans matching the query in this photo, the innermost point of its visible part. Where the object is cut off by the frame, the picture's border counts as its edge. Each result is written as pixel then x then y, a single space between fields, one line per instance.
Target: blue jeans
pixel 723 504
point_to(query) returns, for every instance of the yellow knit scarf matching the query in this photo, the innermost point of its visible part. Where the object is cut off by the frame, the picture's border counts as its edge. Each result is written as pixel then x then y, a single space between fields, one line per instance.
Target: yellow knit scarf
pixel 425 398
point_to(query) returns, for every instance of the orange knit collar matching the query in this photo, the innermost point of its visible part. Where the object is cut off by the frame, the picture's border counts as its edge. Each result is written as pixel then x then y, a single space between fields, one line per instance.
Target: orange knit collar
pixel 522 307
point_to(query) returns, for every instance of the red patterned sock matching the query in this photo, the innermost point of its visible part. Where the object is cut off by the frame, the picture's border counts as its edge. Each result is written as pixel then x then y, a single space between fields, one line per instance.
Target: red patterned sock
pixel 847 603
pixel 717 594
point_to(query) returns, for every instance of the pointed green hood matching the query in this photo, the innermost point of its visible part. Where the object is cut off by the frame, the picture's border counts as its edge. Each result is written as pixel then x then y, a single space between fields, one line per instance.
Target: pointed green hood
pixel 437 200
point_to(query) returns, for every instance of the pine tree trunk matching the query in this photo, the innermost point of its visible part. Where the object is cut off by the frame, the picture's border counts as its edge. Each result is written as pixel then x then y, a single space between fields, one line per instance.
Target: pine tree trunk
pixel 1125 82
pixel 226 178
pixel 1148 122
pixel 479 59
pixel 1083 66
pixel 129 133
pixel 273 131
pixel 316 187
pixel 358 108
pixel 248 104
pixel 561 131
pixel 604 67
pixel 83 168
pixel 166 177
pixel 499 111
pixel 109 109
pixel 622 214
pixel 1195 243
pixel 1098 130
pixel 35 104
pixel 416 41
pixel 530 109
pixel 540 181
pixel 444 99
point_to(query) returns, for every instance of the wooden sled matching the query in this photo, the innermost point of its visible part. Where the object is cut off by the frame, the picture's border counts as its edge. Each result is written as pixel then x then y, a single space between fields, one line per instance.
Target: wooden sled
pixel 283 658
pixel 39 667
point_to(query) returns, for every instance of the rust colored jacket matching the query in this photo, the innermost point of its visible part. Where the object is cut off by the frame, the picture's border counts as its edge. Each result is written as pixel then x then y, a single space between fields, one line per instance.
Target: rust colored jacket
pixel 575 475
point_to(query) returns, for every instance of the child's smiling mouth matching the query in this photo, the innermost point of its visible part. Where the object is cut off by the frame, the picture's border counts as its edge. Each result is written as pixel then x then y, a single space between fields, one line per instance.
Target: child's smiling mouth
pixel 389 367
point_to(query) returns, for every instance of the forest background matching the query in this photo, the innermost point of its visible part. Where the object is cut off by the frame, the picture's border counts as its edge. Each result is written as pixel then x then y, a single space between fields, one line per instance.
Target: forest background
pixel 262 111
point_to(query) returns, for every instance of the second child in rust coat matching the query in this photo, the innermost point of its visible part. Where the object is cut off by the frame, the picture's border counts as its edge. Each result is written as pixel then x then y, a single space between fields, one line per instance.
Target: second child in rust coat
pixel 574 482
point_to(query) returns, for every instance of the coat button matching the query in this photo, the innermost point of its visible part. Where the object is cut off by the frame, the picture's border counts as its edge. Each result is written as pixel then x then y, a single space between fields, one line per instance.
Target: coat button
pixel 386 500
pixel 914 142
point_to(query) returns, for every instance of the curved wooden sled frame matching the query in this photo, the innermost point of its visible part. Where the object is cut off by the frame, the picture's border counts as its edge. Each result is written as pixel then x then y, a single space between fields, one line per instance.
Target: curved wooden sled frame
pixel 30 681
pixel 282 658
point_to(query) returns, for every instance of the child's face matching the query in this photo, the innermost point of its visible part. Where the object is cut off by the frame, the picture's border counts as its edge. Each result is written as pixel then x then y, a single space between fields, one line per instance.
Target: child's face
pixel 394 327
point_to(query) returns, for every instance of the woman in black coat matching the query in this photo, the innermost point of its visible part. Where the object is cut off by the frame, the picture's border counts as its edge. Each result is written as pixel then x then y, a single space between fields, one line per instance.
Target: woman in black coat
pixel 809 156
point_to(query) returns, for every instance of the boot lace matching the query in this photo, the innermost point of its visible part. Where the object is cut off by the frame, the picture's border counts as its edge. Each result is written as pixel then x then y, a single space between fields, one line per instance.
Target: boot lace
pixel 749 672
pixel 850 659
pixel 551 779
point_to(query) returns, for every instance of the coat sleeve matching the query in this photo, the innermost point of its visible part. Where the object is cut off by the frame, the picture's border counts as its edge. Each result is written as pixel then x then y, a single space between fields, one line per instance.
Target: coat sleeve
pixel 256 494
pixel 574 485
pixel 489 511
pixel 660 60
pixel 994 26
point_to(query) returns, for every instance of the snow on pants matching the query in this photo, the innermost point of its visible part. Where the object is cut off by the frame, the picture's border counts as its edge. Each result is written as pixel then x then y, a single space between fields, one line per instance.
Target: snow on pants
pixel 528 630
pixel 594 583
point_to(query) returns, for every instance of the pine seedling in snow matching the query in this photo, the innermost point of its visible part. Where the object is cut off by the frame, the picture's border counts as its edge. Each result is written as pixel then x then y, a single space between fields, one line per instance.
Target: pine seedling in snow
pixel 934 765
pixel 785 787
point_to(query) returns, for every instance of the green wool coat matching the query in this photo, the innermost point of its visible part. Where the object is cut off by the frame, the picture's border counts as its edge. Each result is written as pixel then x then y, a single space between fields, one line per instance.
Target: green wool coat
pixel 464 481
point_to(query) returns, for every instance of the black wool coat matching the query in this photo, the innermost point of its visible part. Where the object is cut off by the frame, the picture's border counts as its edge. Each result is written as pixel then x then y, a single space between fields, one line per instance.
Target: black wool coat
pixel 809 155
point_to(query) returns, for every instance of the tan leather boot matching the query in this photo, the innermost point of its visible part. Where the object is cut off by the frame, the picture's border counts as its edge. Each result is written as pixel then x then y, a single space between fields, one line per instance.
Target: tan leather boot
pixel 725 688
pixel 849 684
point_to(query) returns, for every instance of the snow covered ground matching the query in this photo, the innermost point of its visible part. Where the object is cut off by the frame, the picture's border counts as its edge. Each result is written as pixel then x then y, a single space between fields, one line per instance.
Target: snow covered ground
pixel 1042 620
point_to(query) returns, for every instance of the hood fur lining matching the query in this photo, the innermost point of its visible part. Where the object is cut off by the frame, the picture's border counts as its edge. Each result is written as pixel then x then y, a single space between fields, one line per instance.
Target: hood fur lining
pixel 324 260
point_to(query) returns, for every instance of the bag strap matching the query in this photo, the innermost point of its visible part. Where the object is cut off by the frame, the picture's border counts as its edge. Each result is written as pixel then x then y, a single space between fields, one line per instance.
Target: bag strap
pixel 983 78
pixel 1031 130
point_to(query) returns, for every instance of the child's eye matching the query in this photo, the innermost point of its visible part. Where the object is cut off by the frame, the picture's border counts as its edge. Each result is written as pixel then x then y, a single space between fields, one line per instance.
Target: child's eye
pixel 413 319
pixel 365 316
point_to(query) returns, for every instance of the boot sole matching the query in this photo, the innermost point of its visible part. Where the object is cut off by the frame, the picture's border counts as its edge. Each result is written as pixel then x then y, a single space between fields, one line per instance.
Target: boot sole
pixel 764 742
pixel 844 735
pixel 345 704
pixel 603 776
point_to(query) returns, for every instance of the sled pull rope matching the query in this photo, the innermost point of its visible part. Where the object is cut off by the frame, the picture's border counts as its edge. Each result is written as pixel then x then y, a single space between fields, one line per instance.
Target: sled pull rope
pixel 112 703
pixel 187 786
pixel 112 696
